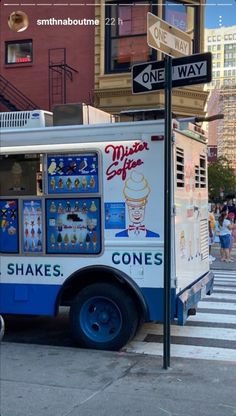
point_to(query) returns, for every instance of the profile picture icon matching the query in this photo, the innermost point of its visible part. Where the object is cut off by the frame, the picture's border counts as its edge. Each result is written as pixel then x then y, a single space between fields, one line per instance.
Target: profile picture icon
pixel 18 21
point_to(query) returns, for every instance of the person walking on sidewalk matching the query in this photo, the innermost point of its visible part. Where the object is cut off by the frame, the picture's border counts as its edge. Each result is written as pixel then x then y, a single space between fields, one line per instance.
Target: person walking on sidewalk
pixel 225 229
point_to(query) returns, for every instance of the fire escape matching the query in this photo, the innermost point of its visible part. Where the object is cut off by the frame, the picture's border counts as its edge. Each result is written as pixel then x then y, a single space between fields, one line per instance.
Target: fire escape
pixel 12 98
pixel 59 73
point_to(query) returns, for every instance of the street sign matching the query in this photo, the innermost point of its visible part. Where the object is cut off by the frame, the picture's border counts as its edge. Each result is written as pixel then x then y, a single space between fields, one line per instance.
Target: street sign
pixel 188 70
pixel 166 38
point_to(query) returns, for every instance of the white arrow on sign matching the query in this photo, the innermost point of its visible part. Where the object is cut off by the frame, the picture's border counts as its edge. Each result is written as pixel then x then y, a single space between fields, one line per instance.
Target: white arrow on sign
pixel 150 76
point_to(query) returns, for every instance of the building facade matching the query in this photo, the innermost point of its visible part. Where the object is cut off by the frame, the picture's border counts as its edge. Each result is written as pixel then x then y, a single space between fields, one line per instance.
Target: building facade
pixel 122 42
pixel 221 42
pixel 52 61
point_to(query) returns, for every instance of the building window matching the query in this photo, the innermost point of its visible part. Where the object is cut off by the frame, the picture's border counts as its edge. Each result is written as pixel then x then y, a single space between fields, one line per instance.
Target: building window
pixel 186 18
pixel 18 52
pixel 126 35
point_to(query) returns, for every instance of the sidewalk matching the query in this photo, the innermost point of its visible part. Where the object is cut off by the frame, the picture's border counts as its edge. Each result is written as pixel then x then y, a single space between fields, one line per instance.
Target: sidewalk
pixel 47 381
pixel 217 264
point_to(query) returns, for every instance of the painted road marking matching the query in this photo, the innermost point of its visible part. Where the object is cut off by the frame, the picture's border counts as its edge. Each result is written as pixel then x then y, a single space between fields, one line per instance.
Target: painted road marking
pixel 184 351
pixel 212 333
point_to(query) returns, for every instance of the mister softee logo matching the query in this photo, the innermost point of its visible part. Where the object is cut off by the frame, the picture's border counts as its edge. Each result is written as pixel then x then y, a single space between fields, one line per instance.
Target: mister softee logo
pixel 122 159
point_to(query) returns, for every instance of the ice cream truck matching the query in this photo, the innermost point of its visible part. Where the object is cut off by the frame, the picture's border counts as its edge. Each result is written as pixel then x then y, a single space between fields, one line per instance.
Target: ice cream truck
pixel 82 225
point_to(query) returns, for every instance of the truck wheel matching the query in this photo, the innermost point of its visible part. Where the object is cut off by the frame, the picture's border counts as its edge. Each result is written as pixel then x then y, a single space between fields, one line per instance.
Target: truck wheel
pixel 103 316
pixel 2 328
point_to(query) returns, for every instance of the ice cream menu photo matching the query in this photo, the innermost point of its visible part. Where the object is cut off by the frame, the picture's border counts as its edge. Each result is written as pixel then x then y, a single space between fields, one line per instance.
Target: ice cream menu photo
pixel 73 226
pixel 72 174
pixel 32 225
pixel 9 226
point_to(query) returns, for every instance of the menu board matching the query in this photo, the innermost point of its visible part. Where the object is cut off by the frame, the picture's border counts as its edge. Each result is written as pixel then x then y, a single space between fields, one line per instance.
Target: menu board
pixel 9 226
pixel 73 226
pixel 72 174
pixel 32 226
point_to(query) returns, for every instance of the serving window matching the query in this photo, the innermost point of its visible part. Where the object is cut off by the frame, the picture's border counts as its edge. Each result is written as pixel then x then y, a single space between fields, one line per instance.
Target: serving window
pixel 18 175
pixel 50 204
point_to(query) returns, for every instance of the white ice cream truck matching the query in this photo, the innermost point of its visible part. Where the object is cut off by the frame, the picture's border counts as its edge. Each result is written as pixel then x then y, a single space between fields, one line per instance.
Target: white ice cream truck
pixel 82 225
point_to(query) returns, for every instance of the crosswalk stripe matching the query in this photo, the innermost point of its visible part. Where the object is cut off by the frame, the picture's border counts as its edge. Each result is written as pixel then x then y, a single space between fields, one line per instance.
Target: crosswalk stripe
pixel 230 284
pixel 188 331
pixel 225 280
pixel 221 296
pixel 223 289
pixel 183 351
pixel 210 317
pixel 217 305
pixel 225 274
pixel 212 331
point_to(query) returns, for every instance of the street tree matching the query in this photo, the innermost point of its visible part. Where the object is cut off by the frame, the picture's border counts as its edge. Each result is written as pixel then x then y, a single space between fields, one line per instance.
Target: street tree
pixel 221 178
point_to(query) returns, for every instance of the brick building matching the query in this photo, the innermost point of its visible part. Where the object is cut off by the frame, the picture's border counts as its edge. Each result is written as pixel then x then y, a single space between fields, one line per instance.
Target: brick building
pixel 50 62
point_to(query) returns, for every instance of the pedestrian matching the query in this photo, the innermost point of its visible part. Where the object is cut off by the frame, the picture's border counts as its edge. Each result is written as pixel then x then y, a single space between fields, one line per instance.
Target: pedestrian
pixel 225 231
pixel 217 210
pixel 230 207
pixel 211 227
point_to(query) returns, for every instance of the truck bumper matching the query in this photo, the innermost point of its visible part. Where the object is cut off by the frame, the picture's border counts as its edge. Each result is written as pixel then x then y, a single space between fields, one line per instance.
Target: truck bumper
pixel 188 299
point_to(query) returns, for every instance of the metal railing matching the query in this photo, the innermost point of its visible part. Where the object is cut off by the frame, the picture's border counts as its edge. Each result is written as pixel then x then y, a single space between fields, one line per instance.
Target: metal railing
pixel 12 98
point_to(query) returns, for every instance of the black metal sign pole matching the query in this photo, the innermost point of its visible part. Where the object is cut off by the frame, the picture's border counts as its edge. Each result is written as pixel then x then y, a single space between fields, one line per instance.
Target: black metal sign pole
pixel 167 211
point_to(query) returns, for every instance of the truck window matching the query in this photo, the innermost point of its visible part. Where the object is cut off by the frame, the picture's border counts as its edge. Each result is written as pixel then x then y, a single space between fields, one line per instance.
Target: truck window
pixel 19 175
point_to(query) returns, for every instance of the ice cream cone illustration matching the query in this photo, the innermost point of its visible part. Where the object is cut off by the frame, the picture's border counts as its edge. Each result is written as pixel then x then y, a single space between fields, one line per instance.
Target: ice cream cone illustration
pixel 93 207
pixel 76 207
pixel 77 183
pixel 53 207
pixel 73 240
pixel 59 240
pixel 39 245
pixel 84 182
pixel 66 240
pixel 52 240
pixel 87 241
pixel 68 207
pixel 52 184
pixel 60 208
pixel 4 225
pixel 60 183
pixel 84 208
pixel 69 183
pixel 92 182
pixel 136 192
pixel 81 241
pixel 94 240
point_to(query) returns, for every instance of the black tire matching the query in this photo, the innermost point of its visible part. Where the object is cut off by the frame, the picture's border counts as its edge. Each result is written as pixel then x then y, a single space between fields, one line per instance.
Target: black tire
pixel 2 328
pixel 103 316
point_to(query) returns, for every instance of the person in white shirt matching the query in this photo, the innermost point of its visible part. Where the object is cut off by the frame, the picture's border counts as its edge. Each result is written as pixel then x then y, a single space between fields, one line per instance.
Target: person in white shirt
pixel 225 229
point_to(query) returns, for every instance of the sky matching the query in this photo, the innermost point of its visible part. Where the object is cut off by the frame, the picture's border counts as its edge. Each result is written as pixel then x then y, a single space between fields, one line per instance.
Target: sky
pixel 220 13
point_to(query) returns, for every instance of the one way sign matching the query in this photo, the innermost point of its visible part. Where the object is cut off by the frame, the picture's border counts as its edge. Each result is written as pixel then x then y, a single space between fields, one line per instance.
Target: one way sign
pixel 188 70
